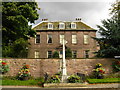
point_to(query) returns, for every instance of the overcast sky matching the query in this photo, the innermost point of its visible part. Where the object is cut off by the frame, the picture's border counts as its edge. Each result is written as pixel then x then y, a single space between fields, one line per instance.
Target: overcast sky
pixel 90 11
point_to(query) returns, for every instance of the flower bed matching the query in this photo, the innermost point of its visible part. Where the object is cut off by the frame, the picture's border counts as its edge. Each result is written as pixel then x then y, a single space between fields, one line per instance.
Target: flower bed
pixel 74 79
pixel 4 68
pixel 54 79
pixel 24 73
pixel 99 71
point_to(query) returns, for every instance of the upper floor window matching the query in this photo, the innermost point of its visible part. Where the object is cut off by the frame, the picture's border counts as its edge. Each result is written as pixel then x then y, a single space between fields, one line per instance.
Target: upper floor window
pixel 61 38
pixel 37 39
pixel 61 26
pixel 49 54
pixel 74 39
pixel 50 26
pixel 36 54
pixel 86 39
pixel 49 38
pixel 74 54
pixel 73 25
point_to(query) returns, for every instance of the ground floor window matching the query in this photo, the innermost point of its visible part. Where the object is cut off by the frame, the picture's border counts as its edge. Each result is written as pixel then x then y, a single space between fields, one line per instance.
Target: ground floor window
pixel 86 53
pixel 36 54
pixel 60 54
pixel 49 54
pixel 74 54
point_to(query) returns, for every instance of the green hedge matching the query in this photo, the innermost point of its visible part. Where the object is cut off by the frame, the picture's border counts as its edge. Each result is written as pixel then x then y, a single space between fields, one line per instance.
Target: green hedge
pixel 106 80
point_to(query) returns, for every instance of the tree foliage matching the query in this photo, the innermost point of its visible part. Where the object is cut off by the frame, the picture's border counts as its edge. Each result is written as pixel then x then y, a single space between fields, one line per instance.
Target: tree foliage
pixel 55 54
pixel 15 28
pixel 68 53
pixel 110 32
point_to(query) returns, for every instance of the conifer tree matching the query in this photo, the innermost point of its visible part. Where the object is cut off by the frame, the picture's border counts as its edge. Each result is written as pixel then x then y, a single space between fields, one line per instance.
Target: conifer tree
pixel 110 34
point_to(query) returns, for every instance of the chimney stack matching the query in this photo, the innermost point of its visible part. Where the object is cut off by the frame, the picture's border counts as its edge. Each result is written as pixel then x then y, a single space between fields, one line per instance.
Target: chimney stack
pixel 78 19
pixel 44 19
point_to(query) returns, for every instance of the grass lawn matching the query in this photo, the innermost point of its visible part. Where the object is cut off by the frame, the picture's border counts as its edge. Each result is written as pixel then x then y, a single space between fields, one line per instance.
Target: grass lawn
pixel 106 80
pixel 34 82
pixel 19 83
pixel 31 82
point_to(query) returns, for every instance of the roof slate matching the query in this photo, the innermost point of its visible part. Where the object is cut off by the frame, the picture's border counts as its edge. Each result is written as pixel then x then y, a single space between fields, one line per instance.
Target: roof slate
pixel 79 26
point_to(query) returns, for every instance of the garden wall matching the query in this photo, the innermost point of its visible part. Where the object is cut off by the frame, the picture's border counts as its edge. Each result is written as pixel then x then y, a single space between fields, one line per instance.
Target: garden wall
pixel 39 66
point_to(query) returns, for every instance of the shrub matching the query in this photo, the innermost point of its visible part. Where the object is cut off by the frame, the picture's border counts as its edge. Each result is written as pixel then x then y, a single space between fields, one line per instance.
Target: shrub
pixel 59 74
pixel 41 84
pixel 55 54
pixel 41 81
pixel 116 66
pixel 68 53
pixel 4 68
pixel 24 73
pixel 74 79
pixel 54 79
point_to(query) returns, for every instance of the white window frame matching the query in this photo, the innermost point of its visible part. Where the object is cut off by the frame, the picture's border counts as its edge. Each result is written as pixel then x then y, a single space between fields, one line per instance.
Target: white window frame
pixel 73 25
pixel 86 39
pixel 48 38
pixel 61 25
pixel 37 54
pixel 36 38
pixel 62 36
pixel 50 26
pixel 74 39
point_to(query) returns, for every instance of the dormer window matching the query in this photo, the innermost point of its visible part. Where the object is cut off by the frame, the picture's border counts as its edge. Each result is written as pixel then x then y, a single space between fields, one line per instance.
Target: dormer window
pixel 73 25
pixel 61 26
pixel 50 26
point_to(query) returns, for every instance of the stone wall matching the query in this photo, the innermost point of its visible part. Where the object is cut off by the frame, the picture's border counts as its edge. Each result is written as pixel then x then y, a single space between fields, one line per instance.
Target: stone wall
pixel 39 66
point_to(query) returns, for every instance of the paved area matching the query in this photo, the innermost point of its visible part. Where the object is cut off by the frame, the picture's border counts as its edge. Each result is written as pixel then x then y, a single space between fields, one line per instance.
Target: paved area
pixel 110 86
pixel 60 89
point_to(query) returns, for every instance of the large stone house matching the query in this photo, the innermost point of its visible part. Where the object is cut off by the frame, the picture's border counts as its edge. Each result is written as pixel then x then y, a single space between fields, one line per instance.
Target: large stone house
pixel 51 33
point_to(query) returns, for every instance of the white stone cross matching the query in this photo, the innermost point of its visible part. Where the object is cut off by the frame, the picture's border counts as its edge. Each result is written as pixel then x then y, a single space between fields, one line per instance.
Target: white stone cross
pixel 64 70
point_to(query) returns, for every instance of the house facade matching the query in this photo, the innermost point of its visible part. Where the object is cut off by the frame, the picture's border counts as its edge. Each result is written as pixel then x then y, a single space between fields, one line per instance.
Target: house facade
pixel 50 34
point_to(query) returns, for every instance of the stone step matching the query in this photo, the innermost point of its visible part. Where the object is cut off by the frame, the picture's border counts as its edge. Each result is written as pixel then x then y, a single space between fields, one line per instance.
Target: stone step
pixel 65 84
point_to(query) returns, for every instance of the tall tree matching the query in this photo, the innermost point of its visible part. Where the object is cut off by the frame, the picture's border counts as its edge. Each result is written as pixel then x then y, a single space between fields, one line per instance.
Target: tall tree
pixel 110 32
pixel 15 28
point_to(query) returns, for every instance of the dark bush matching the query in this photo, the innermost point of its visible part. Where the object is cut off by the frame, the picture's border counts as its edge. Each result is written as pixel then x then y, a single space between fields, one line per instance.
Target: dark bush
pixel 55 54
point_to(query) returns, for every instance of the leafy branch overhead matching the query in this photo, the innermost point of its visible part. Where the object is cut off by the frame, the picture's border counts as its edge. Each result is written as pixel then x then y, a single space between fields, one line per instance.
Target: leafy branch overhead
pixel 15 19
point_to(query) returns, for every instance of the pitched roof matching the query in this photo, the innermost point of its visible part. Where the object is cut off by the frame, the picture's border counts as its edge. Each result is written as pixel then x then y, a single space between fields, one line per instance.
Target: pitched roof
pixel 79 25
